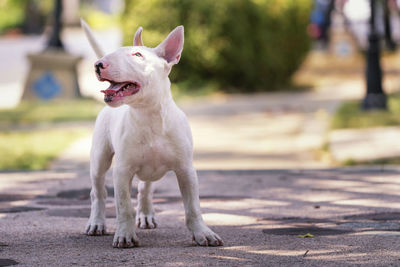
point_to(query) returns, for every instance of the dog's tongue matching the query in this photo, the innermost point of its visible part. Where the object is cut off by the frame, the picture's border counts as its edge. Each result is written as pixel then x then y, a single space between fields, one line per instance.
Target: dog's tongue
pixel 114 87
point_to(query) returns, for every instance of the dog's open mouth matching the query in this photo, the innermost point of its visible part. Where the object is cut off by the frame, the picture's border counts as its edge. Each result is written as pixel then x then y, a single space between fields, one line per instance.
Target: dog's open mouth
pixel 119 90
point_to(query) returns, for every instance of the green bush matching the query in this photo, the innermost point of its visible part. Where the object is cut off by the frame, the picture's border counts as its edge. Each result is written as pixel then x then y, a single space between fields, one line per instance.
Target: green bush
pixel 38 112
pixel 29 16
pixel 11 14
pixel 251 45
pixel 35 149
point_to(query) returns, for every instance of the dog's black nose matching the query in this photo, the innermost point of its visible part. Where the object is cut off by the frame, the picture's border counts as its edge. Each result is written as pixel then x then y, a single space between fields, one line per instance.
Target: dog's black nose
pixel 98 67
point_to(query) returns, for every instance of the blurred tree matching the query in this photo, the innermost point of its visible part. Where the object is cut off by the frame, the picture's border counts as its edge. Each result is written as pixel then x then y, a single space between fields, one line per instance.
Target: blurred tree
pixel 11 14
pixel 247 45
pixel 27 16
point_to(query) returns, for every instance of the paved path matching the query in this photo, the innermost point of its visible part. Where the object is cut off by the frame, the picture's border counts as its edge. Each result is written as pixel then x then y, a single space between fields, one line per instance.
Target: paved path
pixel 353 215
pixel 362 145
pixel 281 130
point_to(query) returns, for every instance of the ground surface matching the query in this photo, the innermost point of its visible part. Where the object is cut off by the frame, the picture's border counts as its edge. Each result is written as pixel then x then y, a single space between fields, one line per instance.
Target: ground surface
pixel 353 214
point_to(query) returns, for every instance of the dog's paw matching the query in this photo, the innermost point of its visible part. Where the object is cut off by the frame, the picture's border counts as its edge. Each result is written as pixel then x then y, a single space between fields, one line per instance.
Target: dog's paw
pixel 145 221
pixel 206 237
pixel 95 228
pixel 125 239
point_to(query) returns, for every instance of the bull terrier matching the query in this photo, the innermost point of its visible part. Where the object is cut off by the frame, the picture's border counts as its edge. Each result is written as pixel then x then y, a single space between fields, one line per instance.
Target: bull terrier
pixel 147 134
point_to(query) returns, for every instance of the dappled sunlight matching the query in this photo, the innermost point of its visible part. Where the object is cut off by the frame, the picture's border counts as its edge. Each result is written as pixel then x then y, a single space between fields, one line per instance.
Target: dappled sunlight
pixel 320 196
pixel 19 203
pixel 258 214
pixel 313 253
pixel 376 203
pixel 378 188
pixel 262 250
pixel 378 233
pixel 341 255
pixel 220 219
pixel 242 204
pixel 17 183
pixel 393 179
pixel 228 258
pixel 331 183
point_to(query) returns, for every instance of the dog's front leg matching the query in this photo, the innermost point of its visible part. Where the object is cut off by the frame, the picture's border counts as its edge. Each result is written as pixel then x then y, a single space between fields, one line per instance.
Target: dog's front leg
pixel 188 184
pixel 100 161
pixel 125 235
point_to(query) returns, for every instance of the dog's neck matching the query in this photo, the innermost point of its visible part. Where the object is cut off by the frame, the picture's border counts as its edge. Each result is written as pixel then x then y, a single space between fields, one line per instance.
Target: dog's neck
pixel 154 111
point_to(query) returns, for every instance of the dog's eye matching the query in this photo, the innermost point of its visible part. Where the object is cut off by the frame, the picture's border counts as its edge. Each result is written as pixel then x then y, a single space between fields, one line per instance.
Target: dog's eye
pixel 137 54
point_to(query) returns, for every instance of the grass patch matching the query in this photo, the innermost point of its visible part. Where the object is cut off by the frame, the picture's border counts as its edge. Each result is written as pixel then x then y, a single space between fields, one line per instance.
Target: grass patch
pixel 350 115
pixel 50 112
pixel 382 162
pixel 192 89
pixel 35 149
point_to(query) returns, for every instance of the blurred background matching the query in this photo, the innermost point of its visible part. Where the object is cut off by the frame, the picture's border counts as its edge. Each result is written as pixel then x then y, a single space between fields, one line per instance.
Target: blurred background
pixel 265 83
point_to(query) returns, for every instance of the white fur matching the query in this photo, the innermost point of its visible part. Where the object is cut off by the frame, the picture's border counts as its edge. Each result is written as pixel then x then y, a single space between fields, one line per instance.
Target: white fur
pixel 148 135
pixel 97 49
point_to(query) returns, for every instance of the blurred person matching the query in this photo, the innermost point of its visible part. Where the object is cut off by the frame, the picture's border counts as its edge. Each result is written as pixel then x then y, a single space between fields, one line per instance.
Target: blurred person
pixel 321 20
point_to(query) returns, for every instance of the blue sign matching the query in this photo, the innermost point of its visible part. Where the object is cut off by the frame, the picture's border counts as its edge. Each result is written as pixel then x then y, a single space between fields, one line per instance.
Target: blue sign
pixel 47 87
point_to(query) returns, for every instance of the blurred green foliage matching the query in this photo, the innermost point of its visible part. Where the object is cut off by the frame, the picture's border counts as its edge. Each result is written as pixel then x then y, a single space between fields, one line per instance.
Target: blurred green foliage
pixel 247 45
pixel 31 134
pixel 11 14
pixel 350 115
pixel 23 14
pixel 37 112
pixel 33 150
pixel 96 18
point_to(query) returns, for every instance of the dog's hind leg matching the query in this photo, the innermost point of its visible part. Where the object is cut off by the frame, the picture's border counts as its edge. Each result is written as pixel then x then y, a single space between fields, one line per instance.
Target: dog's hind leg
pixel 145 218
pixel 100 160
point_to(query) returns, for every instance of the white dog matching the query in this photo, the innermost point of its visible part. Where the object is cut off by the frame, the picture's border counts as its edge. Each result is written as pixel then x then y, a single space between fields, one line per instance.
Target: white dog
pixel 147 134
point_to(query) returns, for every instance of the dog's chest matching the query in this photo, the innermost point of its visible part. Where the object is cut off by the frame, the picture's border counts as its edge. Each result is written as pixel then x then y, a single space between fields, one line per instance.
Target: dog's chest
pixel 151 155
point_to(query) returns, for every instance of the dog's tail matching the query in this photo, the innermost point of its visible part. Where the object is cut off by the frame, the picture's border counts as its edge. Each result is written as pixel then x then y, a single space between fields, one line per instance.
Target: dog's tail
pixel 93 42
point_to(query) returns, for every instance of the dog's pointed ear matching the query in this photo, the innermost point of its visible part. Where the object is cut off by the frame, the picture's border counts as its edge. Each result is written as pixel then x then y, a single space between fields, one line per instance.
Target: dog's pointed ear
pixel 171 48
pixel 93 42
pixel 137 40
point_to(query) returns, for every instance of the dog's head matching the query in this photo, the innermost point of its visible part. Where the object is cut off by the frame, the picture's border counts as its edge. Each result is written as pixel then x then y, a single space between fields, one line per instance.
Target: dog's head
pixel 137 74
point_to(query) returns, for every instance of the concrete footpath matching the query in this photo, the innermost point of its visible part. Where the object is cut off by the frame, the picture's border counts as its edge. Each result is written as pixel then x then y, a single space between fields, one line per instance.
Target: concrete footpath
pixel 350 215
